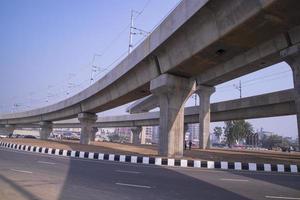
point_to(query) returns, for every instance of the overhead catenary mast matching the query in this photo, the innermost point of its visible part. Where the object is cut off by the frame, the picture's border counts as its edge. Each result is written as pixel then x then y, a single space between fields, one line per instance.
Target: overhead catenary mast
pixel 239 88
pixel 133 29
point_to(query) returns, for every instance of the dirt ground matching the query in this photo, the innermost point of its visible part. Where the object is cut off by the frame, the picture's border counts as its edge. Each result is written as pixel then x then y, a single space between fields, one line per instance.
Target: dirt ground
pixel 230 155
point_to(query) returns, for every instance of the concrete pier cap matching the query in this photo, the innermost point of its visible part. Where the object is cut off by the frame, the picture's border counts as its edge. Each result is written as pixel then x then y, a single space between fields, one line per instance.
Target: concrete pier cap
pixel 172 92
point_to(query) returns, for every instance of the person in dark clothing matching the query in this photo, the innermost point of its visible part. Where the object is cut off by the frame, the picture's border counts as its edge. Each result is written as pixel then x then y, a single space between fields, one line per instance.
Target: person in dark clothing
pixel 184 144
pixel 190 144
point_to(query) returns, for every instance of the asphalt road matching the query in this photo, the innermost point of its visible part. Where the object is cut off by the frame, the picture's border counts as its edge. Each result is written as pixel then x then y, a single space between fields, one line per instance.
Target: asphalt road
pixel 25 175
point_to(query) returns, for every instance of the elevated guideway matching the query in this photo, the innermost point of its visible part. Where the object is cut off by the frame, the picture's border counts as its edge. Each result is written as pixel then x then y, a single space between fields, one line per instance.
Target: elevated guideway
pixel 266 105
pixel 199 45
pixel 196 37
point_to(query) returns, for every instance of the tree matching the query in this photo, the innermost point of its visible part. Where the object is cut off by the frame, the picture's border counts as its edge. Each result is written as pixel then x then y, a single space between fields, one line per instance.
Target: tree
pixel 237 130
pixel 114 137
pixel 218 132
pixel 274 141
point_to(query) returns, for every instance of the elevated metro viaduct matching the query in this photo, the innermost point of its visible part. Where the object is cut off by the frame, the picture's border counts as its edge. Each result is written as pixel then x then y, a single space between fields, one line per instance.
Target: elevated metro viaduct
pixel 265 105
pixel 199 45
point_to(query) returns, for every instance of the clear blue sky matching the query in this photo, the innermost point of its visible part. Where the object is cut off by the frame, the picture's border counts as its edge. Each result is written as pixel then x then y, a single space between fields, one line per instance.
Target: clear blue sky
pixel 47 49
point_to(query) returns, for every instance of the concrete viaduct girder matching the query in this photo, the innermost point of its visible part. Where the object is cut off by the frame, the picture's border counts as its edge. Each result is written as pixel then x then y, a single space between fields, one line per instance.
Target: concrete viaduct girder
pixel 266 105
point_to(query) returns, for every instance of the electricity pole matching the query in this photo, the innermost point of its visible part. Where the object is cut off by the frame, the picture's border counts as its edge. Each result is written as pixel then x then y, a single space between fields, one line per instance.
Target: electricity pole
pixel 239 88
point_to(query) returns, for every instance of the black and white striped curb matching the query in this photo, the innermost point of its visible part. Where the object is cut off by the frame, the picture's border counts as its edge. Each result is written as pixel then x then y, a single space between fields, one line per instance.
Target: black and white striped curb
pixel 157 160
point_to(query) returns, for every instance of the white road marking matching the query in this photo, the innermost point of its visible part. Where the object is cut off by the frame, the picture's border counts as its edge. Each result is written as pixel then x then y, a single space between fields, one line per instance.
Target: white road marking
pixel 130 172
pixel 48 163
pixel 280 197
pixel 132 185
pixel 238 180
pixel 16 170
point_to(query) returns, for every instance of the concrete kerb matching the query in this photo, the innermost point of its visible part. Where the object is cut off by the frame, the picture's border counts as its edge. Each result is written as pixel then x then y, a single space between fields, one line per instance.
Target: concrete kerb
pixel 222 165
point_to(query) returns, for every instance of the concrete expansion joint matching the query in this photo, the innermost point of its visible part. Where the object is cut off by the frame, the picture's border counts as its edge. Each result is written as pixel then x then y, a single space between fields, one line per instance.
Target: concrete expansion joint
pixel 157 161
pixel 155 58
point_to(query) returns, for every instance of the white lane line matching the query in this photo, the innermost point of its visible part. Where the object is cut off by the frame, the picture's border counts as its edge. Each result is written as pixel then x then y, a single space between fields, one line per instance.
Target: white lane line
pixel 129 172
pixel 238 180
pixel 280 197
pixel 48 163
pixel 132 185
pixel 16 170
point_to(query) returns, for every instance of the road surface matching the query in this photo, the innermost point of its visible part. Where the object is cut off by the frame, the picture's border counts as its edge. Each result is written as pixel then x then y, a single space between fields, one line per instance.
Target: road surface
pixel 25 175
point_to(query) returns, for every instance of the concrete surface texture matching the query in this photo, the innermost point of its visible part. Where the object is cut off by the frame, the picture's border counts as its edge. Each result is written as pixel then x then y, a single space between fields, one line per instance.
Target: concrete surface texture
pixel 265 105
pixel 172 92
pixel 136 131
pixel 87 121
pixel 204 94
pixel 46 129
pixel 294 62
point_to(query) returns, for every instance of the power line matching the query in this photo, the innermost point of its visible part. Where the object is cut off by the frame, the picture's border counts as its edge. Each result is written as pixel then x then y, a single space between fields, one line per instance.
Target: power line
pixel 257 78
pixel 105 50
pixel 255 83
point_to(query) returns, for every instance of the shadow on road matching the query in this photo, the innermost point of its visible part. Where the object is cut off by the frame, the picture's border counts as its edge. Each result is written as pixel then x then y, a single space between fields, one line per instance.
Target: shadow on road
pixel 98 180
pixel 19 189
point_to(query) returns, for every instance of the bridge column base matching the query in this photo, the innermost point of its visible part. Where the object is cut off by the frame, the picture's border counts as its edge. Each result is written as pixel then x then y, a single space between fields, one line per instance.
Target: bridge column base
pixel 135 133
pixel 93 134
pixel 204 93
pixel 46 129
pixel 87 122
pixel 172 92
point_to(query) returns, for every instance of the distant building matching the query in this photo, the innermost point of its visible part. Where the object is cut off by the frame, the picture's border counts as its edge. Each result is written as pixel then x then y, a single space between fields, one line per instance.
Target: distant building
pixel 155 134
pixel 193 130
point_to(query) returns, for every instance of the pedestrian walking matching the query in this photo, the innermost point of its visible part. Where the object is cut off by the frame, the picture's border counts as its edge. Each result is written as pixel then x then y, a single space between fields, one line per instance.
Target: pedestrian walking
pixel 190 144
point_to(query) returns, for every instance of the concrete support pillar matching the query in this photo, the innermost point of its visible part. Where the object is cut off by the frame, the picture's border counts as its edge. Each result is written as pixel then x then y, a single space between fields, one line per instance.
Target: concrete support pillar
pixel 294 63
pixel 204 93
pixel 93 134
pixel 10 128
pixel 143 135
pixel 46 129
pixel 135 133
pixel 172 92
pixel 87 122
